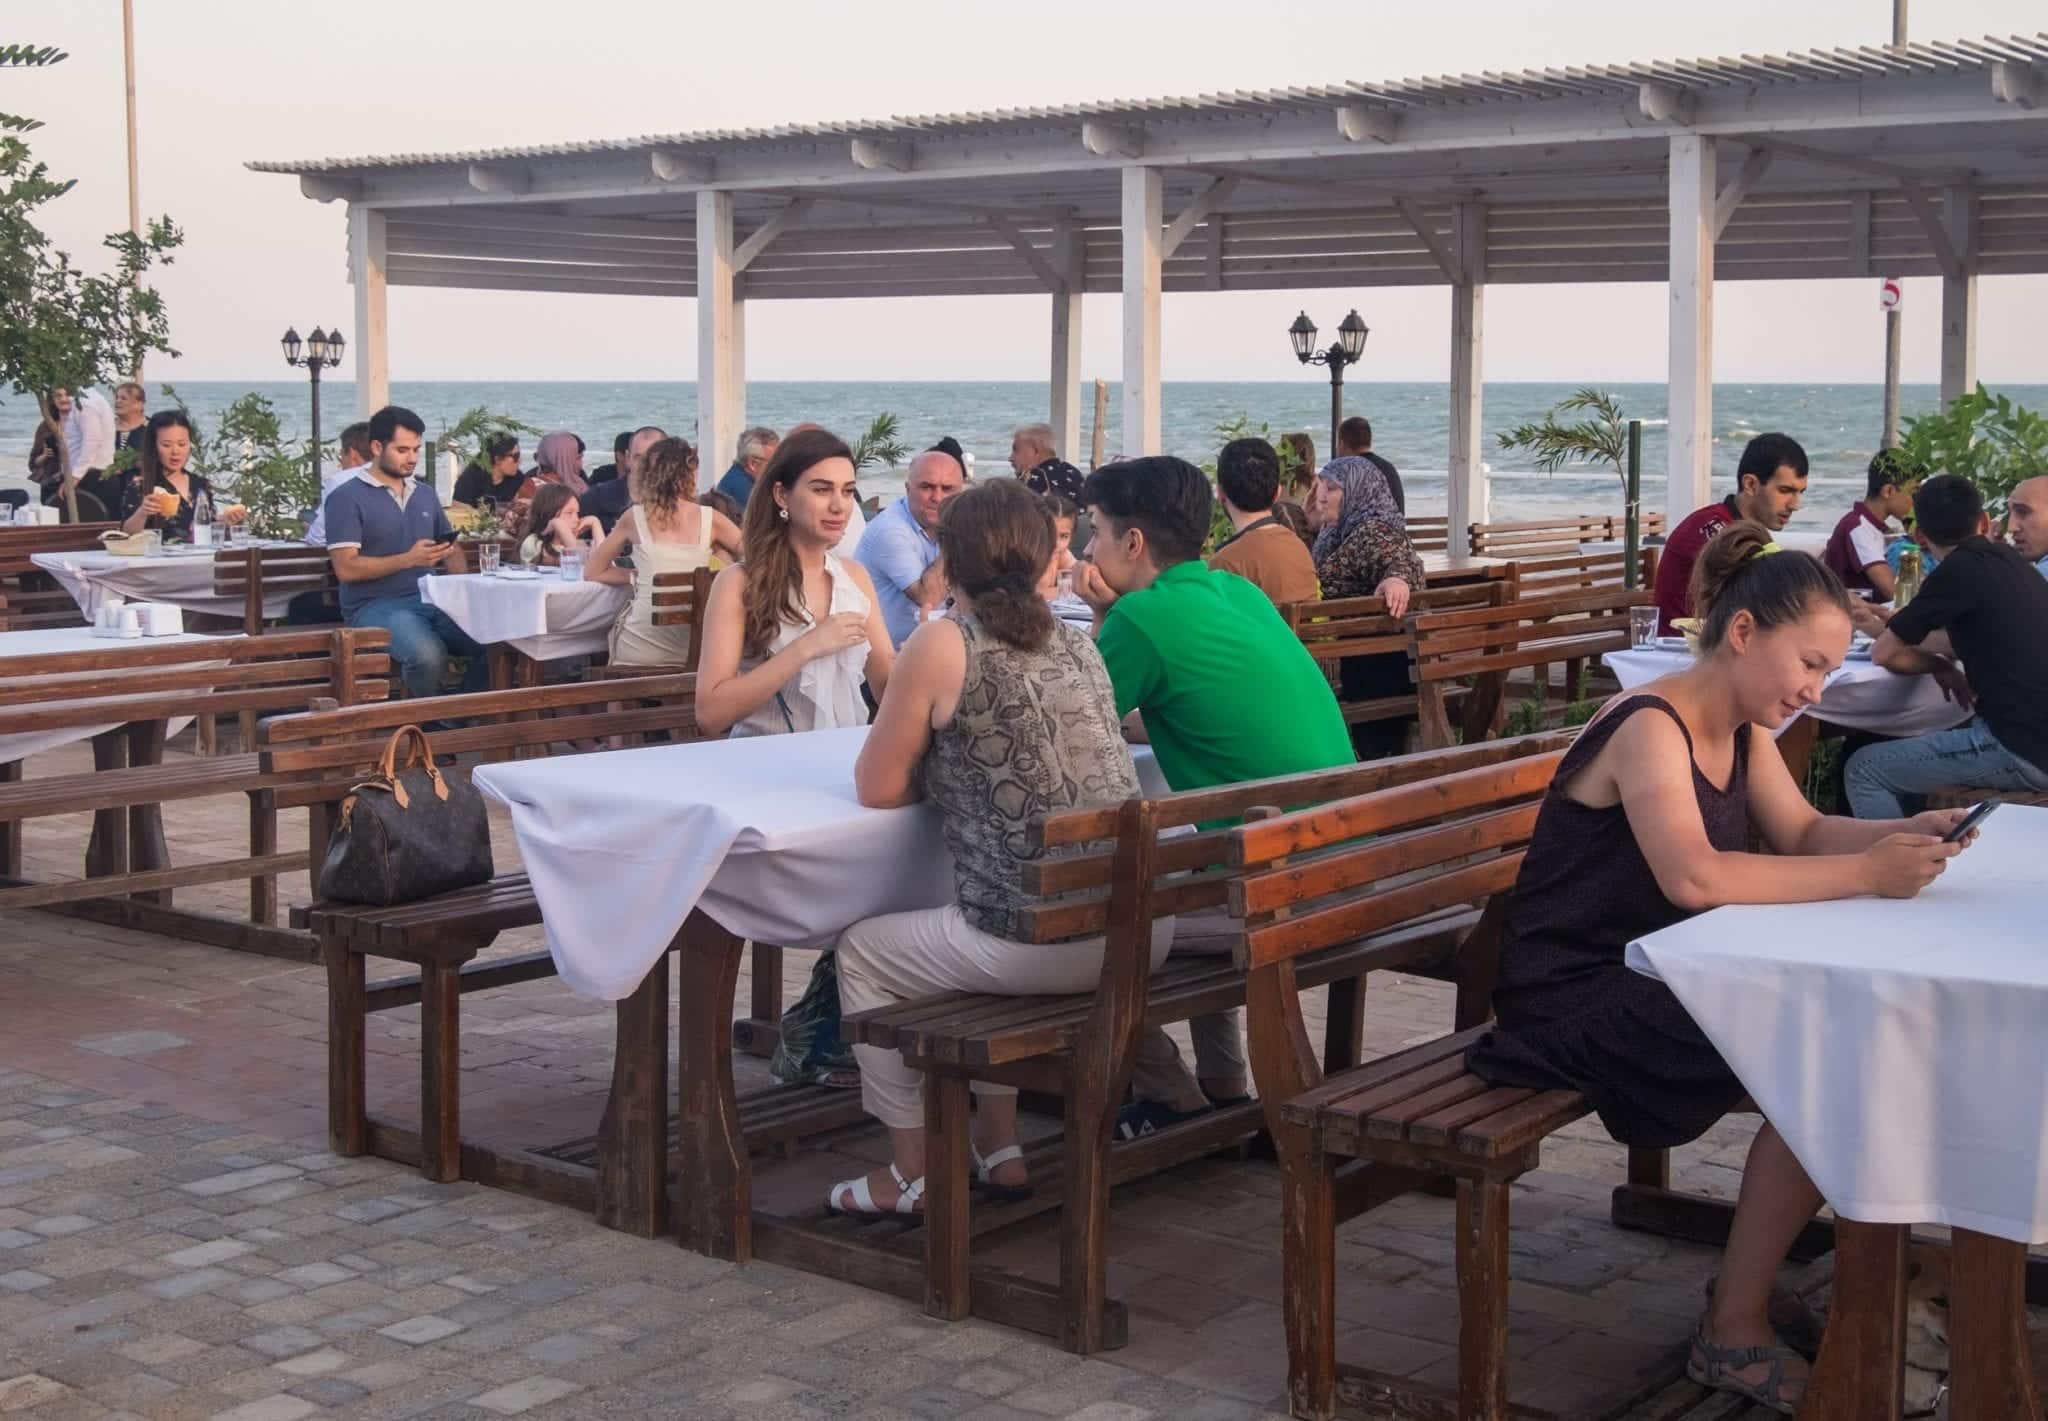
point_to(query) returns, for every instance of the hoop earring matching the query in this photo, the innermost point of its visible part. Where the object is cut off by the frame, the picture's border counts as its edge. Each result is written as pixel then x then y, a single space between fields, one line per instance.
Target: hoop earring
pixel 783 514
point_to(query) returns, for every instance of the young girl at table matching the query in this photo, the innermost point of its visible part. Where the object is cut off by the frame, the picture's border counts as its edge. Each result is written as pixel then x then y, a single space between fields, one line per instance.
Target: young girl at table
pixel 165 490
pixel 1065 514
pixel 1649 821
pixel 999 666
pixel 558 523
pixel 669 532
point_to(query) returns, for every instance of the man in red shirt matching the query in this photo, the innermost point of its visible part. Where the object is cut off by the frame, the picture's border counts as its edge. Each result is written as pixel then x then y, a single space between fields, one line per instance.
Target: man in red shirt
pixel 1769 481
pixel 1855 551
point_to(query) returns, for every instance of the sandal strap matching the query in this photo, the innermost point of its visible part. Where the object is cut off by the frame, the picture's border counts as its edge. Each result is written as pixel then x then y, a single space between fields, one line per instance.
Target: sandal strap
pixel 999 1157
pixel 909 1191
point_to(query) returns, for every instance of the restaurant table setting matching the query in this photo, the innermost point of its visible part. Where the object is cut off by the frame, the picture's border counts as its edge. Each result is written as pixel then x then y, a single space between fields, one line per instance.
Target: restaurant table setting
pixel 536 611
pixel 180 575
pixel 1860 696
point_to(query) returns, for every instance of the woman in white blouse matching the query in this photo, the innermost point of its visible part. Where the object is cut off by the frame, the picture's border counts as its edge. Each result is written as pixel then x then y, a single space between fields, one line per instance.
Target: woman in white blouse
pixel 771 663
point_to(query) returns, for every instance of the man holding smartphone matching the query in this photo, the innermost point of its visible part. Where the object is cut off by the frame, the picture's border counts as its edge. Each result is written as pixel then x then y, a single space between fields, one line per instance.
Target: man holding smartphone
pixel 384 533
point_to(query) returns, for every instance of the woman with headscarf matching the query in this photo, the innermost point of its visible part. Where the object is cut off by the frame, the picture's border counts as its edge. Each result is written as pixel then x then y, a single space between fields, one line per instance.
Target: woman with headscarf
pixel 1362 550
pixel 557 459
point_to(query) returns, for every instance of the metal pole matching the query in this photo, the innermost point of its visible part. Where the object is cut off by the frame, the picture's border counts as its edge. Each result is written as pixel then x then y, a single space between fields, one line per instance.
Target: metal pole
pixel 134 177
pixel 314 366
pixel 1891 379
pixel 1336 395
pixel 1632 522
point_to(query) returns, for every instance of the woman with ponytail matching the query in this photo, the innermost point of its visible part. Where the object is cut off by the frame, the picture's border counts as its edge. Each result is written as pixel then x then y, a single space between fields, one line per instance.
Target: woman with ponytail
pixel 791 632
pixel 1650 820
pixel 997 670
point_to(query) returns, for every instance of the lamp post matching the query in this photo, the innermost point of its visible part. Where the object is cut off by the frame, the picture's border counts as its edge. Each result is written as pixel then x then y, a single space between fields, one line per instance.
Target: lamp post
pixel 1348 347
pixel 317 352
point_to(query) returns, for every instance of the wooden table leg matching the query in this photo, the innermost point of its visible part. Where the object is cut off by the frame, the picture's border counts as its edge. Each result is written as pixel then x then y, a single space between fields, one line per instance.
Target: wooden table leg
pixel 347 1118
pixel 106 852
pixel 1992 1376
pixel 1795 746
pixel 440 1072
pixel 146 847
pixel 714 1199
pixel 1861 1372
pixel 632 1140
pixel 501 665
pixel 10 832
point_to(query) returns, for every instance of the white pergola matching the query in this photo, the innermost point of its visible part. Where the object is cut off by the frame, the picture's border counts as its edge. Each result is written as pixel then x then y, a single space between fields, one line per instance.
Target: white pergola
pixel 1918 160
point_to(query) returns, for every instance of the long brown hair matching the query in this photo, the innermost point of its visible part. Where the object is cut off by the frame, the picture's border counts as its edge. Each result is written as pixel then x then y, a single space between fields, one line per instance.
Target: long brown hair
pixel 1744 570
pixel 547 505
pixel 775 576
pixel 997 538
pixel 665 480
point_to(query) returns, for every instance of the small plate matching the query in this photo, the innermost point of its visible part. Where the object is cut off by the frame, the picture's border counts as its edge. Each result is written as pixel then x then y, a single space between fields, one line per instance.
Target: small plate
pixel 518 574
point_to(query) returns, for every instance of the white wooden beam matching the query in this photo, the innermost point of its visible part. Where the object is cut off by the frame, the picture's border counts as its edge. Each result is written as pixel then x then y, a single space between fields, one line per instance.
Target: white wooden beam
pixel 500 178
pixel 1665 103
pixel 719 400
pixel 1110 140
pixel 1362 125
pixel 1691 368
pixel 1069 247
pixel 1738 187
pixel 1852 163
pixel 1419 220
pixel 671 166
pixel 758 240
pixel 1952 261
pixel 1143 201
pixel 1959 294
pixel 366 262
pixel 878 155
pixel 2018 84
pixel 1859 232
pixel 1195 213
pixel 1212 269
pixel 1052 276
pixel 1469 496
pixel 326 187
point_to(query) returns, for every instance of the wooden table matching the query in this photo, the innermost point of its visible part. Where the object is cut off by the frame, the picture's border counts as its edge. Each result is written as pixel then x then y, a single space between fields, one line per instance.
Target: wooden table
pixel 1447 569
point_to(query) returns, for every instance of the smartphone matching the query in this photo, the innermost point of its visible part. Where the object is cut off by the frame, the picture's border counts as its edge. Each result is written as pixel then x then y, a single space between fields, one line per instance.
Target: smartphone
pixel 1971 820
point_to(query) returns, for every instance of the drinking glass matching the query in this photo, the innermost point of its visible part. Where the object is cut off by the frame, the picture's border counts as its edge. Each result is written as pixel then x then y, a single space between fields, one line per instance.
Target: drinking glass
pixel 487 555
pixel 1642 626
pixel 572 564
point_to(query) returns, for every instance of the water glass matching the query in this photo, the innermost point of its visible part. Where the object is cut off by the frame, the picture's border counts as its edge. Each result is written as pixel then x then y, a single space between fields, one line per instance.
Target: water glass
pixel 238 534
pixel 202 534
pixel 572 564
pixel 1642 626
pixel 487 554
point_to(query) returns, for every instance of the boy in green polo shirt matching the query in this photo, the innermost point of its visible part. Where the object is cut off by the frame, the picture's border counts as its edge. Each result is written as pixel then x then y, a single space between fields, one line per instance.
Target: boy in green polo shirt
pixel 1226 692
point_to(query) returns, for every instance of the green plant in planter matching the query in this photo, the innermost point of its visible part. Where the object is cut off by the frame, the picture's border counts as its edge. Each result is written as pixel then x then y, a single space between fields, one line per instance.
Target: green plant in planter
pixel 1986 438
pixel 1242 427
pixel 465 438
pixel 252 463
pixel 878 444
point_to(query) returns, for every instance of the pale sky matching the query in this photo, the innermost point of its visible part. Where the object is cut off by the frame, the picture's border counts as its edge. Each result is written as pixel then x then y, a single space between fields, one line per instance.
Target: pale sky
pixel 224 81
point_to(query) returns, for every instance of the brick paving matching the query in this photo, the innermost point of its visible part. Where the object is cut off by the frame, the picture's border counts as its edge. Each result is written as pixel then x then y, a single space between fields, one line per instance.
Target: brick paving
pixel 175 1242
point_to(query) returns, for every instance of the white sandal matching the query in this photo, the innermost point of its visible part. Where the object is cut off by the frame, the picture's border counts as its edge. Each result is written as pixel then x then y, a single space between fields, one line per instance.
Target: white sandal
pixel 984 1173
pixel 862 1198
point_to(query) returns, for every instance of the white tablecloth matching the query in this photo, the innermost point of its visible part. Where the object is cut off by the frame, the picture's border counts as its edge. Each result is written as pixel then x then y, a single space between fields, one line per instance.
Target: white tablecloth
pixel 50 641
pixel 1862 695
pixel 764 834
pixel 542 617
pixel 182 577
pixel 1898 1046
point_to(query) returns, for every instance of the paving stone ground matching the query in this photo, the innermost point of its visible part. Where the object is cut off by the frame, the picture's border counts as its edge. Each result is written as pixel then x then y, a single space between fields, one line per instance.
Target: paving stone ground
pixel 176 1243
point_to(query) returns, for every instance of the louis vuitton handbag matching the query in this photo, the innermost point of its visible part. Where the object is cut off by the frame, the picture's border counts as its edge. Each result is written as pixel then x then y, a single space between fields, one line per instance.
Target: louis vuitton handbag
pixel 407 832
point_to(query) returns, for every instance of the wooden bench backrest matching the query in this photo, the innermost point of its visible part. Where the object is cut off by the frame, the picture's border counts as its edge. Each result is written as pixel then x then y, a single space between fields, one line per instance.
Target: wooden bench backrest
pixel 1536 577
pixel 131 680
pixel 19 544
pixel 1530 632
pixel 1338 627
pixel 1429 533
pixel 1536 537
pixel 253 574
pixel 679 600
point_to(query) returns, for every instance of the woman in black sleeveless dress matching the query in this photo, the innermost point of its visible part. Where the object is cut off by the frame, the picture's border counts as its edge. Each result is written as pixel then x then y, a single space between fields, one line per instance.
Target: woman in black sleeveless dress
pixel 1649 821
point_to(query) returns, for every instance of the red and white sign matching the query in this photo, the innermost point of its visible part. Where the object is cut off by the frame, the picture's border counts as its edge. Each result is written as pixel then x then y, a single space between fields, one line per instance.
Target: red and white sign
pixel 1890 294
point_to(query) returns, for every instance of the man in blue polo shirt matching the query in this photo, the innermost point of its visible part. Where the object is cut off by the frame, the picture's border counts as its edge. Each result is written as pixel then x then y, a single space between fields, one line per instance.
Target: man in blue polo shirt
pixel 384 533
pixel 900 549
pixel 757 446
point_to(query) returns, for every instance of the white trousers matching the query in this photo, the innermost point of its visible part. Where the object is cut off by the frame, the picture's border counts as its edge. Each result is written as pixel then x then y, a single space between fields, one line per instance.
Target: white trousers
pixel 902 956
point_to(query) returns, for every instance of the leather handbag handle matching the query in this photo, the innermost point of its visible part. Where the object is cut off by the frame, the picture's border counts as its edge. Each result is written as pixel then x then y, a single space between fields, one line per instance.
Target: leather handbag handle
pixel 419 755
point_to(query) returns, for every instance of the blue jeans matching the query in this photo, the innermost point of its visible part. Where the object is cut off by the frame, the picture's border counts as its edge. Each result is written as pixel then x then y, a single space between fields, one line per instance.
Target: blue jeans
pixel 1892 780
pixel 422 640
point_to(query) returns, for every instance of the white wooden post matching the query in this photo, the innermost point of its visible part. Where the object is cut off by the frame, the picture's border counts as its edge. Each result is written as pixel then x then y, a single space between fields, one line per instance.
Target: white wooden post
pixel 738 402
pixel 370 337
pixel 1959 296
pixel 717 346
pixel 1469 494
pixel 1143 210
pixel 1065 370
pixel 1691 370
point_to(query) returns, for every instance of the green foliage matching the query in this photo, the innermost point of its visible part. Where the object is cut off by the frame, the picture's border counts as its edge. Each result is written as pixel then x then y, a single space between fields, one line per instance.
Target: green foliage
pixel 273 480
pixel 1986 438
pixel 466 437
pixel 60 325
pixel 1824 774
pixel 878 444
pixel 1603 439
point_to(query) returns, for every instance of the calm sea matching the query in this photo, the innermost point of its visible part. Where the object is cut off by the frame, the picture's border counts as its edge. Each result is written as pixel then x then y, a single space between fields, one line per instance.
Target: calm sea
pixel 1838 424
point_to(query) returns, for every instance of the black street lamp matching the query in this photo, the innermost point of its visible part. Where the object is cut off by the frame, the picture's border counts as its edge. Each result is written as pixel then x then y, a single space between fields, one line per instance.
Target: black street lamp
pixel 1347 349
pixel 317 352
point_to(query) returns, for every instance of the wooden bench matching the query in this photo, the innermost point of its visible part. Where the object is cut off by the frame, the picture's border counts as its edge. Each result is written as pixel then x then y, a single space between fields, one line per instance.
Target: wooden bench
pixel 125 693
pixel 1537 537
pixel 1579 572
pixel 255 575
pixel 1110 871
pixel 1429 533
pixel 1343 627
pixel 1351 1137
pixel 1486 643
pixel 313 760
pixel 32 597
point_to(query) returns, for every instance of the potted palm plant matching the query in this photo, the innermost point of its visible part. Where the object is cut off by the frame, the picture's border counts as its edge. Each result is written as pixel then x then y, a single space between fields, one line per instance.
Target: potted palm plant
pixel 1605 436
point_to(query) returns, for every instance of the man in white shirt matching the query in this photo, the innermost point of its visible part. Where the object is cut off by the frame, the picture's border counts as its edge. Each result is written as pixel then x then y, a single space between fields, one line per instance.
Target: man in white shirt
pixel 354 455
pixel 89 432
